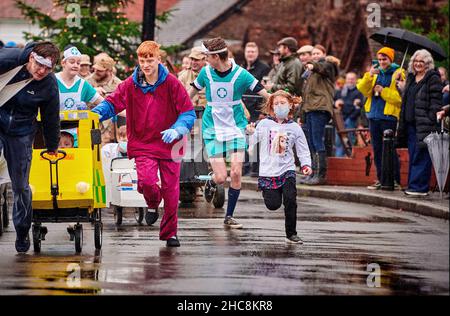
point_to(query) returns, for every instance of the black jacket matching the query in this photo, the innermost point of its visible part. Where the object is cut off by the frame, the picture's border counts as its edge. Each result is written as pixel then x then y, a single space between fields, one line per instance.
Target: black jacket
pixel 258 69
pixel 349 110
pixel 18 115
pixel 427 102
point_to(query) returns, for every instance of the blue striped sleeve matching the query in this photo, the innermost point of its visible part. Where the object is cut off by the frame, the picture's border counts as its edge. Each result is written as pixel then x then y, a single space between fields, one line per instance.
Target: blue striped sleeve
pixel 184 122
pixel 105 109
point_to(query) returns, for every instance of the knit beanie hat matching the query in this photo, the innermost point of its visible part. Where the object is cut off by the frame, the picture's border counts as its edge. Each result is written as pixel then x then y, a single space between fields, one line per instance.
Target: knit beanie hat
pixel 389 52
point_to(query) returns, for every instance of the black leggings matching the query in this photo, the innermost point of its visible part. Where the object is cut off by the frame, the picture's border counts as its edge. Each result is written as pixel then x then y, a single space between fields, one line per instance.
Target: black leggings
pixel 287 194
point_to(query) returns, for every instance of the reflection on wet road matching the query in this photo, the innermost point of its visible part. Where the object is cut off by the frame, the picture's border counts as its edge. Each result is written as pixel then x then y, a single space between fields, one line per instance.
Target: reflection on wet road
pixel 349 249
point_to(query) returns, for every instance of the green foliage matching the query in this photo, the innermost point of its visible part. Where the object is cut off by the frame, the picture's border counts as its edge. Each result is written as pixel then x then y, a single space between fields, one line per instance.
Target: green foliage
pixel 438 32
pixel 102 27
pixel 409 24
pixel 164 16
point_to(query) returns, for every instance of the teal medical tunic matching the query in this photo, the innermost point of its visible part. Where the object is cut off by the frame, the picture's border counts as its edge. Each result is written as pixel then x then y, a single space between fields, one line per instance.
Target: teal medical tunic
pixel 224 122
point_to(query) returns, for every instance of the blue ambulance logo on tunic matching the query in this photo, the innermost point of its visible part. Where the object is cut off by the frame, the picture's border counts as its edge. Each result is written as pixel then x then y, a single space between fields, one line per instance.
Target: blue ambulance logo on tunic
pixel 69 103
pixel 222 93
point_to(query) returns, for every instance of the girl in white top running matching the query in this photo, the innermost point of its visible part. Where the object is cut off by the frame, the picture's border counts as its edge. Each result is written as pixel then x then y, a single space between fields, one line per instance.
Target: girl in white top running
pixel 277 134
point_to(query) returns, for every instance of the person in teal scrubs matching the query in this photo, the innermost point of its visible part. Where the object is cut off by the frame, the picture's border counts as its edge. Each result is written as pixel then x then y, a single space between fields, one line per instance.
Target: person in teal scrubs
pixel 224 121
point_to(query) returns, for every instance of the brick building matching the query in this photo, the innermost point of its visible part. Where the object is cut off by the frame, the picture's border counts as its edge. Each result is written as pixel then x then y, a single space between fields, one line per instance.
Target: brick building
pixel 339 25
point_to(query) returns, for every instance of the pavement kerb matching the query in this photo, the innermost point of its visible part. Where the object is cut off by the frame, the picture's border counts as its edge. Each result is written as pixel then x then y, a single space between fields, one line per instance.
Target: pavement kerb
pixel 336 193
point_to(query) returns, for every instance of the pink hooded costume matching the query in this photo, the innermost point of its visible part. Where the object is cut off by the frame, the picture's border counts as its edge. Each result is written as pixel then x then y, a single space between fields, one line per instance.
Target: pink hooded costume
pixel 152 110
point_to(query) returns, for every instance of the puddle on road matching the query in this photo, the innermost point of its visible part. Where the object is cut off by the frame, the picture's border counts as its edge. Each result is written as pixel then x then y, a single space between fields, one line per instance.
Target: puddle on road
pixel 55 274
pixel 316 273
pixel 235 261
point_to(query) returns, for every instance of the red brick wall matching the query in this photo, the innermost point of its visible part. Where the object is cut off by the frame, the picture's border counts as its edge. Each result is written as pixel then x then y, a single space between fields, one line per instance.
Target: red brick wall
pixel 352 171
pixel 165 5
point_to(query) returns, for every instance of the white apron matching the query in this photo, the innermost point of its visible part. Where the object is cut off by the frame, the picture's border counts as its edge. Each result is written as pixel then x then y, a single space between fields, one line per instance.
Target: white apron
pixel 70 100
pixel 222 107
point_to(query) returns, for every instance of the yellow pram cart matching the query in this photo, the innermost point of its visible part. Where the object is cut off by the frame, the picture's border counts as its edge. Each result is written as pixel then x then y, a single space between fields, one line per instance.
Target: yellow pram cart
pixel 69 187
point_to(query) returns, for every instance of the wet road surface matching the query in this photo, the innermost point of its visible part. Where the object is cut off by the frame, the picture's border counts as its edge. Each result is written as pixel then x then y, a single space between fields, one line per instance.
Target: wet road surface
pixel 349 249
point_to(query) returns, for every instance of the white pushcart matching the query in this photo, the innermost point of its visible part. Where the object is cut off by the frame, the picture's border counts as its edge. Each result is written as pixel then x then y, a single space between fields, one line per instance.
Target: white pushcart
pixel 121 189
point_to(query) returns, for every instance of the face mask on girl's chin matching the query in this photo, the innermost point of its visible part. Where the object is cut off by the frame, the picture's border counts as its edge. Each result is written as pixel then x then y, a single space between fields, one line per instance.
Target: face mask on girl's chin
pixel 281 111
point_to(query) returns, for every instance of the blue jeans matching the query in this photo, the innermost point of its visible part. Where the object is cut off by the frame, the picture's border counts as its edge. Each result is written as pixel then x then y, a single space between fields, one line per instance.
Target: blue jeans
pixel 419 163
pixel 377 127
pixel 348 123
pixel 18 152
pixel 316 121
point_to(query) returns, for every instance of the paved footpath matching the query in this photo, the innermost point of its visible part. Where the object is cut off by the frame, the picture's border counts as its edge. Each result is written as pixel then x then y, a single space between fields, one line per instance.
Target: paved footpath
pixel 431 205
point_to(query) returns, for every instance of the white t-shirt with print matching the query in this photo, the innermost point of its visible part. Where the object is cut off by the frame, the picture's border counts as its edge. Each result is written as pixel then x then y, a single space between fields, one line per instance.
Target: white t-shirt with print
pixel 276 142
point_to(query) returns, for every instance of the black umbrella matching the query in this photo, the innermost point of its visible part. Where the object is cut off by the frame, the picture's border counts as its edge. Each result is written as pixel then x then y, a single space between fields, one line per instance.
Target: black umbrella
pixel 409 42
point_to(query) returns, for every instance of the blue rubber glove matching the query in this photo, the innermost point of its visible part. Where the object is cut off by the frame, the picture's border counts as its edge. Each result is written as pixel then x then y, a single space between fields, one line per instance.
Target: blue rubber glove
pixel 82 106
pixel 105 110
pixel 169 135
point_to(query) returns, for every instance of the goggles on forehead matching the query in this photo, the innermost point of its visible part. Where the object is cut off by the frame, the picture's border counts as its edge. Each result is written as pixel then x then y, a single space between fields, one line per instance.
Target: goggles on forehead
pixel 41 60
pixel 71 52
pixel 208 52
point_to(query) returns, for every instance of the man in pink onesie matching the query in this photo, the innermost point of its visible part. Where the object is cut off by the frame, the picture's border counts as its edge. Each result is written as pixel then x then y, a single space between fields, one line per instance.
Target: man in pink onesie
pixel 158 114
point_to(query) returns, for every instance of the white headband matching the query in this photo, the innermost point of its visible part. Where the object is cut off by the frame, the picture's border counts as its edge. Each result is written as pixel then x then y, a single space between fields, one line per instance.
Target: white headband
pixel 71 52
pixel 208 52
pixel 43 61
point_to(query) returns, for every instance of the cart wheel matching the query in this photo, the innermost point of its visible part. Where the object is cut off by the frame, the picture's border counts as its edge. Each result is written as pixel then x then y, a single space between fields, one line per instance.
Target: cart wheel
pixel 5 209
pixel 219 196
pixel 187 193
pixel 139 214
pixel 118 214
pixel 207 193
pixel 36 238
pixel 37 245
pixel 151 217
pixel 78 237
pixel 98 235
